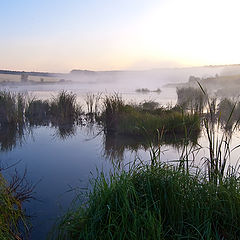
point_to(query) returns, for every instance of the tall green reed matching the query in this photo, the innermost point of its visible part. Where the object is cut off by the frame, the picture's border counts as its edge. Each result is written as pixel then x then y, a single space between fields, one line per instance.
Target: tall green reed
pixel 219 139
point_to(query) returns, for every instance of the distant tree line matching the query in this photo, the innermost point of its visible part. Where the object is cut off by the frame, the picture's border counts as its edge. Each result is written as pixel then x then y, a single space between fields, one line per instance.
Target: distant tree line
pixel 43 74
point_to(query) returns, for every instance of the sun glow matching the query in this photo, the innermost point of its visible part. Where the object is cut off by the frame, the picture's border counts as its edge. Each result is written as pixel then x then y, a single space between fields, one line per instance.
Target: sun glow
pixel 193 32
pixel 127 35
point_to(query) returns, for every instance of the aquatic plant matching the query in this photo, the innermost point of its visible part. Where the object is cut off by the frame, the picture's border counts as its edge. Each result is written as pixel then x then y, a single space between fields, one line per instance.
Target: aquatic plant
pixel 158 90
pixel 13 220
pixel 146 90
pixel 142 90
pixel 123 119
pixel 37 112
pixel 113 106
pixel 149 105
pixel 20 108
pixel 155 202
pixel 92 102
pixel 219 139
pixel 11 108
pixel 192 99
pixel 93 106
pixel 64 107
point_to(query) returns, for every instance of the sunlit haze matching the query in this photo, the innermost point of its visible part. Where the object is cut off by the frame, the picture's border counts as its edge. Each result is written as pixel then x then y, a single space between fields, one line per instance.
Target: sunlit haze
pixel 61 35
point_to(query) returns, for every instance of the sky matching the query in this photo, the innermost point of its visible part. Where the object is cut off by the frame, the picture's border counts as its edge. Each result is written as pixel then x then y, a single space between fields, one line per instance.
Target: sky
pixel 61 35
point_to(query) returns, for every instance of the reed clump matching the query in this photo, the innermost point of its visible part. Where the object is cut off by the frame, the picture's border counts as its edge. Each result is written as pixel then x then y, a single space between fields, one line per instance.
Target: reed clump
pixel 156 202
pixel 12 108
pixel 16 110
pixel 142 90
pixel 37 112
pixel 149 105
pixel 192 99
pixel 65 107
pixel 123 119
pixel 93 107
pixel 113 107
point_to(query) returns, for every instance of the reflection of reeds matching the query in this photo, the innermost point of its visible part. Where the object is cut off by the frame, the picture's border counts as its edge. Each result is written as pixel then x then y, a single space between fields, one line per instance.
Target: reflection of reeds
pixel 64 131
pixel 114 146
pixel 9 136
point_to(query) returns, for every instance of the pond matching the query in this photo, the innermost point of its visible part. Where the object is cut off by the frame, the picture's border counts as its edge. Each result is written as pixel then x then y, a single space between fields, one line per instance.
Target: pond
pixel 61 164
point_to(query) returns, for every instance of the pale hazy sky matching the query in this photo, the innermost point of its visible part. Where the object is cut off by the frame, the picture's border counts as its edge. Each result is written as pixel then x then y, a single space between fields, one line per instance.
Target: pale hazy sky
pixel 60 35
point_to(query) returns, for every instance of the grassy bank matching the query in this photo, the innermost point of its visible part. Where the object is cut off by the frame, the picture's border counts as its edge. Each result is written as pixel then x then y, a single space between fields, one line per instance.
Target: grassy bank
pixel 156 202
pixel 120 118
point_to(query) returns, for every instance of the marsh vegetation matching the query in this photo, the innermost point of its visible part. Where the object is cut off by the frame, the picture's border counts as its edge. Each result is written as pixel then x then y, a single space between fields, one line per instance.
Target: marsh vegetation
pixel 13 218
pixel 160 202
pixel 164 201
pixel 123 119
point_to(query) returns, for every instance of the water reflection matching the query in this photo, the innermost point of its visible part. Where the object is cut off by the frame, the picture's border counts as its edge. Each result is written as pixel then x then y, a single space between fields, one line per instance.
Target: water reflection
pixel 65 131
pixel 116 145
pixel 10 136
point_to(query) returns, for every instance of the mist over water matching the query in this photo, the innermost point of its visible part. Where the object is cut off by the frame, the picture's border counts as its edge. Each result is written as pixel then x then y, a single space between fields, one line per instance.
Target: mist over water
pixel 123 82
